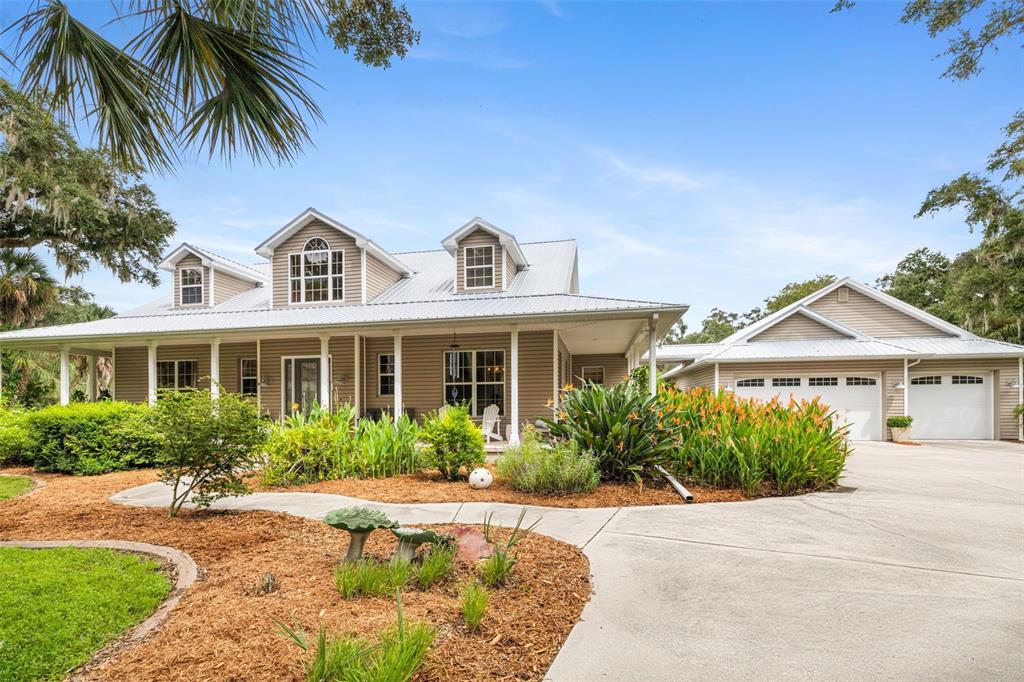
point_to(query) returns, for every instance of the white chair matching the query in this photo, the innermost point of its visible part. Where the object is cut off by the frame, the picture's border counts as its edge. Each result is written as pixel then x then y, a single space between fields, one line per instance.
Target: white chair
pixel 491 425
pixel 443 409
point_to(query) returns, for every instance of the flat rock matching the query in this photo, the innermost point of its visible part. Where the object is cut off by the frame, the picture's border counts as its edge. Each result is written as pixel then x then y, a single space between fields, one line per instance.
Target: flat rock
pixel 471 544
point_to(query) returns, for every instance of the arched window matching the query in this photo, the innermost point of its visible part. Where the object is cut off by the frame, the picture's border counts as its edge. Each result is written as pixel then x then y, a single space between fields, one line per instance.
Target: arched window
pixel 317 273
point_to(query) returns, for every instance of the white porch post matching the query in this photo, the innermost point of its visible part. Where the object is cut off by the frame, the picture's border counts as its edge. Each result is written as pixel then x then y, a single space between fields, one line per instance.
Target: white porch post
pixel 652 355
pixel 357 375
pixel 215 368
pixel 90 378
pixel 151 372
pixel 65 375
pixel 325 371
pixel 718 383
pixel 513 428
pixel 906 387
pixel 398 373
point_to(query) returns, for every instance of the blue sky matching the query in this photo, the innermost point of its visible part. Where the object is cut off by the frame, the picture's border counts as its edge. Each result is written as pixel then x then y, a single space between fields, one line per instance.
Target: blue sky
pixel 703 153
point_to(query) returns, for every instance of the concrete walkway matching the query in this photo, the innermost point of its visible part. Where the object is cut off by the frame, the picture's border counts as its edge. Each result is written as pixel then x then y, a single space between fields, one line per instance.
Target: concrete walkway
pixel 915 571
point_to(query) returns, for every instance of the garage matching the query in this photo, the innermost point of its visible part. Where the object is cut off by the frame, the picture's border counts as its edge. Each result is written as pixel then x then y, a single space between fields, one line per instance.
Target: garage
pixel 856 399
pixel 954 406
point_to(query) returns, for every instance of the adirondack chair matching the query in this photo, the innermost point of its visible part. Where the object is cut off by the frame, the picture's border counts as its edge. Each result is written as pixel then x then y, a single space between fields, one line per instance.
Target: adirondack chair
pixel 441 410
pixel 491 425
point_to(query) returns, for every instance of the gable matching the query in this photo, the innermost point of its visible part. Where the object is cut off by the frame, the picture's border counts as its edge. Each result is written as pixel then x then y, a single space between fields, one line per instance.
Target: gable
pixel 337 241
pixel 870 317
pixel 190 260
pixel 795 327
pixel 478 237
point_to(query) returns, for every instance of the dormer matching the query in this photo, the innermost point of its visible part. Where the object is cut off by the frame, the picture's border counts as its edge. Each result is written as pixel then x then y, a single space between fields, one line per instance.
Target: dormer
pixel 315 260
pixel 487 259
pixel 202 279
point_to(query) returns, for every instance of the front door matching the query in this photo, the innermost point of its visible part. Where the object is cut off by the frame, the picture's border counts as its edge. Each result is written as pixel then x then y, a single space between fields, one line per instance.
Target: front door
pixel 302 384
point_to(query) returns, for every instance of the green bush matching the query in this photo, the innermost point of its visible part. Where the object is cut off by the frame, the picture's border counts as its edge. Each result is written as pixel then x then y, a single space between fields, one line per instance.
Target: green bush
pixel 623 426
pixel 726 441
pixel 326 445
pixel 207 446
pixel 453 442
pixel 92 438
pixel 437 564
pixel 496 569
pixel 899 422
pixel 556 470
pixel 16 443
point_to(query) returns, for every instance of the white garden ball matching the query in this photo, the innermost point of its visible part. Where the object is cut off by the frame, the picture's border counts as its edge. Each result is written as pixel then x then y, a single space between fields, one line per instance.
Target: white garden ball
pixel 480 479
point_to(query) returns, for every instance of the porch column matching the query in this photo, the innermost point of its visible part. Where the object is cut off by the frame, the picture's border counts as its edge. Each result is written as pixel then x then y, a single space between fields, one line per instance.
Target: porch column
pixel 906 387
pixel 65 375
pixel 513 377
pixel 151 371
pixel 325 371
pixel 718 383
pixel 652 355
pixel 398 373
pixel 90 378
pixel 215 368
pixel 357 374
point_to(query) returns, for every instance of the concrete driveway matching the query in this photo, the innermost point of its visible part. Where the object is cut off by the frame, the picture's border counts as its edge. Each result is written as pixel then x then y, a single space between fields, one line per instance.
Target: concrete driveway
pixel 913 571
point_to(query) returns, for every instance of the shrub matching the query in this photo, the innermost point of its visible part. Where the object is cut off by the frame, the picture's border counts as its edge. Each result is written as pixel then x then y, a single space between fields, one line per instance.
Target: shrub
pixel 496 569
pixel 16 443
pixel 437 565
pixel 453 441
pixel 899 422
pixel 474 604
pixel 555 470
pixel 92 438
pixel 368 578
pixel 627 430
pixel 327 445
pixel 207 446
pixel 726 441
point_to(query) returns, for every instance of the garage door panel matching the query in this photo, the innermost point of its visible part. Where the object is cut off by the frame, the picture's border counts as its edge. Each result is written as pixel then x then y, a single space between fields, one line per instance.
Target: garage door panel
pixel 951 406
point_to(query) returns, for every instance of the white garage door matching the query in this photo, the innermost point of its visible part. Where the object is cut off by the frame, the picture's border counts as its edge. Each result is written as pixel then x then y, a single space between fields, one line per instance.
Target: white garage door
pixel 951 406
pixel 856 399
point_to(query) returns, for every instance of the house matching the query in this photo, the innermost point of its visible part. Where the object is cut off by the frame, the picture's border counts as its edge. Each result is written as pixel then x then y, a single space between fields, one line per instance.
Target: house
pixel 868 356
pixel 330 316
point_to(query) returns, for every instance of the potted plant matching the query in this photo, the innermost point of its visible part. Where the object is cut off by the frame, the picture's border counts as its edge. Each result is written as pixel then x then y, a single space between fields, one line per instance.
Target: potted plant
pixel 900 426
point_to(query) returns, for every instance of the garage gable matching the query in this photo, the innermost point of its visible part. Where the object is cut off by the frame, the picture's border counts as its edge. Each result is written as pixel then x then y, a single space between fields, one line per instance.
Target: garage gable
pixel 798 326
pixel 870 316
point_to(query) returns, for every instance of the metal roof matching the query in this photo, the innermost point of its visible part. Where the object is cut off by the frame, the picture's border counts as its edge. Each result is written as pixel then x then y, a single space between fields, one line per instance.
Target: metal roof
pixel 808 349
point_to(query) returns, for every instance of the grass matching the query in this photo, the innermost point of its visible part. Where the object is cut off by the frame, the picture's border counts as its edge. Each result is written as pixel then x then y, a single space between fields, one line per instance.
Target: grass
pixel 12 486
pixel 474 604
pixel 558 469
pixel 436 566
pixel 58 607
pixel 368 578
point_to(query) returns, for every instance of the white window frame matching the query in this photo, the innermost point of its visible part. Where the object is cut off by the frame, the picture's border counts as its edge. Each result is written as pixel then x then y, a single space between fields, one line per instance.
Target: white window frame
pixel 445 383
pixel 182 286
pixel 466 266
pixel 585 368
pixel 242 376
pixel 381 374
pixel 177 374
pixel 302 278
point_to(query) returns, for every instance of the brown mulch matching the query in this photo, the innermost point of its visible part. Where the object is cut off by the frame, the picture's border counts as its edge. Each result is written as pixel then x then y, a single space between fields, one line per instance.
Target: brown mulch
pixel 430 487
pixel 223 627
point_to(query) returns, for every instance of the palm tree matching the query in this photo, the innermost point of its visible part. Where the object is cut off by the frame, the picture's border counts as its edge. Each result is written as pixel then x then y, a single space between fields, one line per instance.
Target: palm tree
pixel 27 292
pixel 223 76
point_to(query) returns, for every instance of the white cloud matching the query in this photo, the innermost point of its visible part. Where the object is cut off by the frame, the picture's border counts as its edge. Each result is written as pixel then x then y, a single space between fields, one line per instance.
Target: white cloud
pixel 553 8
pixel 648 175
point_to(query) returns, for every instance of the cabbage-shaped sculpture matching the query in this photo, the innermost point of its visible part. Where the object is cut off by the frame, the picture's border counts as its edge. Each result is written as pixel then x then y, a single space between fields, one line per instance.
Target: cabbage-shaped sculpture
pixel 409 539
pixel 359 522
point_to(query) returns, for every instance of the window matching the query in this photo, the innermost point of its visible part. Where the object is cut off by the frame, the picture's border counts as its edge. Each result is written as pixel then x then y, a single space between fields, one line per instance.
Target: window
pixel 317 274
pixel 479 267
pixel 926 381
pixel 750 383
pixel 386 374
pixel 248 377
pixel 177 374
pixel 786 381
pixel 592 375
pixel 860 381
pixel 823 381
pixel 959 380
pixel 475 377
pixel 191 286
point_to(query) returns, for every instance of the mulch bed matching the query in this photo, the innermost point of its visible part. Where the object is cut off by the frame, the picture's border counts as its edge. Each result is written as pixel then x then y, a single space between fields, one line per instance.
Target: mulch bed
pixel 223 627
pixel 429 487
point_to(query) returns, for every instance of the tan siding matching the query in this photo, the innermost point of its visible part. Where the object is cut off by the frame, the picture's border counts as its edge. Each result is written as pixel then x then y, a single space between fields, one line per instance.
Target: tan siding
pixel 131 377
pixel 535 381
pixel 870 317
pixel 342 351
pixel 1004 373
pixel 477 237
pixel 226 285
pixel 701 378
pixel 379 277
pixel 294 244
pixel 231 355
pixel 797 326
pixel 510 268
pixel 271 352
pixel 191 261
pixel 615 367
pixel 374 346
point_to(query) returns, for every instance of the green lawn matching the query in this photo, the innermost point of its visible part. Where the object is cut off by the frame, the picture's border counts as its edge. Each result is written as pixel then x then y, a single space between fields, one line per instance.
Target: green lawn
pixel 58 607
pixel 12 486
